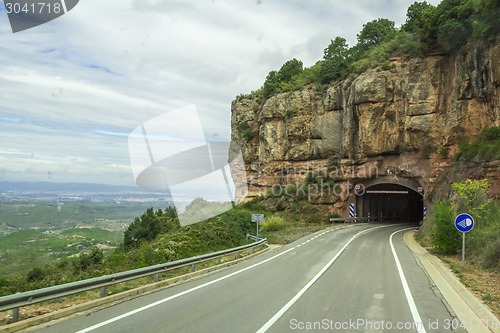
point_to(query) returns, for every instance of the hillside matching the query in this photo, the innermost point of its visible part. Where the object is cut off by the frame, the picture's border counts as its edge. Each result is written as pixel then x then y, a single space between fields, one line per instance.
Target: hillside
pixel 400 118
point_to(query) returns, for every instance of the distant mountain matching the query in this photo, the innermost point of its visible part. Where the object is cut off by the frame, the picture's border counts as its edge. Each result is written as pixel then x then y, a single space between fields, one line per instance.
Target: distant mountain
pixel 66 187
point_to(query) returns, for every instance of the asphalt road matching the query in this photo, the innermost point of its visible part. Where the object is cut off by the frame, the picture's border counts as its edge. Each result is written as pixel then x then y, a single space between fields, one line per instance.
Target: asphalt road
pixel 361 278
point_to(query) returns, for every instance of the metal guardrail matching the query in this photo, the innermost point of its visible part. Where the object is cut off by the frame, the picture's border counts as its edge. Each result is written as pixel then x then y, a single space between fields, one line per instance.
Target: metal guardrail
pixel 15 301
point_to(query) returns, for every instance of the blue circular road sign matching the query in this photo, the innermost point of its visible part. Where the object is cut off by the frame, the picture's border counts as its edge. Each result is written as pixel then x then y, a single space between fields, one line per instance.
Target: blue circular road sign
pixel 464 222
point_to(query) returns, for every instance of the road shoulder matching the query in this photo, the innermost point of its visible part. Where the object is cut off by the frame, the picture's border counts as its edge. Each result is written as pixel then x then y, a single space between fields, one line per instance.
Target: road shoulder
pixel 471 311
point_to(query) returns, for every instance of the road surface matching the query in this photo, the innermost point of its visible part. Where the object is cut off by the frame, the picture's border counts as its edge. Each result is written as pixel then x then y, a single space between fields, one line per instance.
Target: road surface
pixel 359 278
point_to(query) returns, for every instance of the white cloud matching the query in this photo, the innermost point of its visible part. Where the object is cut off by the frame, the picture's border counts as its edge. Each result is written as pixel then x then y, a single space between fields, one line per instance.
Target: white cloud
pixel 72 89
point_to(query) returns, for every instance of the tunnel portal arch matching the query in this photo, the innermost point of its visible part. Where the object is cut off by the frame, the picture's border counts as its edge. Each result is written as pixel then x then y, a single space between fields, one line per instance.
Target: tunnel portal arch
pixel 391 202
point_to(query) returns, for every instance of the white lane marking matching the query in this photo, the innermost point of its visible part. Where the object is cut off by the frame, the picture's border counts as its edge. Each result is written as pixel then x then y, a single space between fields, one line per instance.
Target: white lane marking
pixel 287 306
pixel 130 313
pixel 406 288
pixel 127 314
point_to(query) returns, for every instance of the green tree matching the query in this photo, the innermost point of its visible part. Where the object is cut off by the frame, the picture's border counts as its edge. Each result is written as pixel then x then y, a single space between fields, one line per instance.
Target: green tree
pixel 279 81
pixel 470 197
pixel 487 26
pixel 452 35
pixel 289 70
pixel 334 60
pixel 150 225
pixel 420 21
pixel 271 84
pixel 453 23
pixel 374 32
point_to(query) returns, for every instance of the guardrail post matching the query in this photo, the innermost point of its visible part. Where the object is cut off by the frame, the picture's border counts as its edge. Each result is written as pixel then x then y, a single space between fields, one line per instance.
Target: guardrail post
pixel 103 292
pixel 157 277
pixel 193 267
pixel 15 315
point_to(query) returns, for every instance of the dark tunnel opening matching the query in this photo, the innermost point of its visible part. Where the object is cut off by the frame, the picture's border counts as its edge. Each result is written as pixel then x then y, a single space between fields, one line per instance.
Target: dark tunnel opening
pixel 393 203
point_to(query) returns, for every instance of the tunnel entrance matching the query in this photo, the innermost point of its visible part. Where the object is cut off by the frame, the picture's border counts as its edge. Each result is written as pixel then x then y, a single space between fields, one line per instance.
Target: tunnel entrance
pixel 392 203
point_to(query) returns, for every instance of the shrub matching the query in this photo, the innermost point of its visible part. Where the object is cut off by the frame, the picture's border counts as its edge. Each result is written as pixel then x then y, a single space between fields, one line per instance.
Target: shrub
pixel 314 218
pixel 273 223
pixel 444 151
pixel 291 112
pixel 427 150
pixel 248 134
pixel 444 236
pixel 86 260
pixel 36 274
pixel 485 146
pixel 149 226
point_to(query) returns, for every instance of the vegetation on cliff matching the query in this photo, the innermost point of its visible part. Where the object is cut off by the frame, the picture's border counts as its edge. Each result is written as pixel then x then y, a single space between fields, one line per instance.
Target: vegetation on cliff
pixel 428 29
pixel 468 196
pixel 483 242
pixel 484 147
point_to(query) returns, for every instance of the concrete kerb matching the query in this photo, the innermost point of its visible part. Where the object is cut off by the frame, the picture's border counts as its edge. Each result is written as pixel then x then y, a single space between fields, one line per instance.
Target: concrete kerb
pixel 120 297
pixel 470 310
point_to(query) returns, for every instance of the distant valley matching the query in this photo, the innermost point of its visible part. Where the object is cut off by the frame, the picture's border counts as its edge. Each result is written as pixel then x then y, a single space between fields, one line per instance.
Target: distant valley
pixel 42 222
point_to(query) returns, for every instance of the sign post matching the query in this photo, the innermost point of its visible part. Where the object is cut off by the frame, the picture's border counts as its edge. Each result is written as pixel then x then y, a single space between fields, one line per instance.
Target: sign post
pixel 257 218
pixel 464 223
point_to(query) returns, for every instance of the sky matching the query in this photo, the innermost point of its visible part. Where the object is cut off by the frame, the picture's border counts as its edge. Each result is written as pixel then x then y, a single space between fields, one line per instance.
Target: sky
pixel 73 89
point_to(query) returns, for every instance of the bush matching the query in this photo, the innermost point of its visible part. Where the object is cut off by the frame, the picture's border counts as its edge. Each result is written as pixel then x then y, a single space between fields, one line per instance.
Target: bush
pixel 248 134
pixel 444 151
pixel 273 223
pixel 291 112
pixel 484 240
pixel 443 234
pixel 314 218
pixel 485 146
pixel 86 260
pixel 427 150
pixel 149 226
pixel 36 274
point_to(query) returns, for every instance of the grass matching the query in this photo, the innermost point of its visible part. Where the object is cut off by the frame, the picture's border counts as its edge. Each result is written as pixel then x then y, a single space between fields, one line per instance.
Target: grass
pixel 483 284
pixel 291 233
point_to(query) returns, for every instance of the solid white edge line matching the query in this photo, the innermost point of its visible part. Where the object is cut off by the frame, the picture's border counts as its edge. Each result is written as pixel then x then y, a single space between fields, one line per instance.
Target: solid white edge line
pixel 63 2
pixel 288 305
pixel 127 314
pixel 406 288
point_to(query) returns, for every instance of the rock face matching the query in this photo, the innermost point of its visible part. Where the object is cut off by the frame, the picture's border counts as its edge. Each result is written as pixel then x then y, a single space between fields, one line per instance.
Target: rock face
pixel 393 119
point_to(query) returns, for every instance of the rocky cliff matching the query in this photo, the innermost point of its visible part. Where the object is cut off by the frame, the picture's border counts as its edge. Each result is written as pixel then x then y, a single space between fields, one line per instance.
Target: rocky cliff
pixel 401 122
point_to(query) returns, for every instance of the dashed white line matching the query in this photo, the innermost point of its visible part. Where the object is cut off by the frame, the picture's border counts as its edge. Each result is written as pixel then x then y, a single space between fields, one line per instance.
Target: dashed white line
pixel 287 306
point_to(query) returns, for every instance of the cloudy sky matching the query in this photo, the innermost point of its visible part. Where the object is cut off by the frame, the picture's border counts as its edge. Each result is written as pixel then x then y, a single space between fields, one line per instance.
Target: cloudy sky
pixel 72 90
